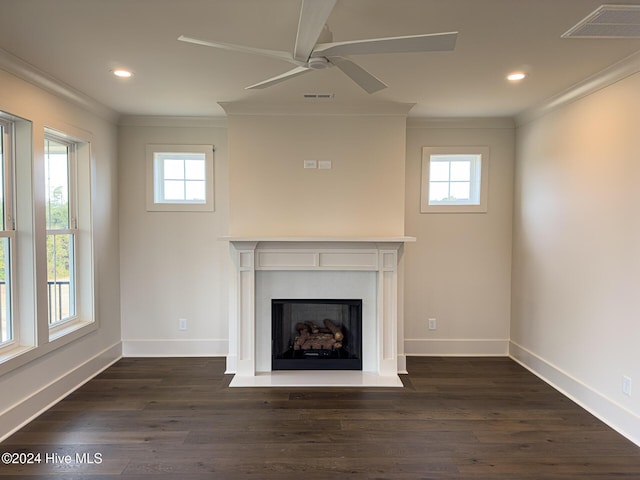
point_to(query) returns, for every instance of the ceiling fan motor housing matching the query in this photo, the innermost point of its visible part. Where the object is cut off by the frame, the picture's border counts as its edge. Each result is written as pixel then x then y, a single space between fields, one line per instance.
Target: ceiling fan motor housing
pixel 318 63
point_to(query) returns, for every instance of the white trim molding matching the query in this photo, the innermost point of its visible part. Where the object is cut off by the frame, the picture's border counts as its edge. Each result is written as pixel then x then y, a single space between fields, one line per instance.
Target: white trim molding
pixel 618 71
pixel 456 347
pixel 21 69
pixel 18 415
pixel 211 347
pixel 383 356
pixel 311 108
pixel 172 121
pixel 605 409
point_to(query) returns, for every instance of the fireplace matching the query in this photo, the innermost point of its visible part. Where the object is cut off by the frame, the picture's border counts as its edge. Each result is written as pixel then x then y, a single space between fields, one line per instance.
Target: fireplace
pixel 316 334
pixel 298 268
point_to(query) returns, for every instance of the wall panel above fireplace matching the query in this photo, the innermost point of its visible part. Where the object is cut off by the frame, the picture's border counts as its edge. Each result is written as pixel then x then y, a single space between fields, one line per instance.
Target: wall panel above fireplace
pixel 271 193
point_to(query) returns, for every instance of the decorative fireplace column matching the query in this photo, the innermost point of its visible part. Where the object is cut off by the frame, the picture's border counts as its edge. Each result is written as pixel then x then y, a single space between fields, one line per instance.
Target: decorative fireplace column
pixel 311 255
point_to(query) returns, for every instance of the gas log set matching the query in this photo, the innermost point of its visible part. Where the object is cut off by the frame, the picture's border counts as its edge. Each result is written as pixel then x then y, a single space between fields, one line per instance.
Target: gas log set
pixel 316 334
pixel 312 337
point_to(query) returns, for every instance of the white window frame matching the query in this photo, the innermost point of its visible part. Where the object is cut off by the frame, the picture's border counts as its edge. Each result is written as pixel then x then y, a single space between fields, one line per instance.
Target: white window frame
pixel 71 230
pixel 155 178
pixel 479 179
pixel 19 218
pixel 32 336
pixel 81 227
pixel 9 228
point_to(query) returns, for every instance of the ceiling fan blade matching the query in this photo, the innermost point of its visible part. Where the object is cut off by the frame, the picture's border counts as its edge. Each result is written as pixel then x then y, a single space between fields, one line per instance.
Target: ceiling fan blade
pixel 431 42
pixel 313 16
pixel 358 74
pixel 240 48
pixel 280 78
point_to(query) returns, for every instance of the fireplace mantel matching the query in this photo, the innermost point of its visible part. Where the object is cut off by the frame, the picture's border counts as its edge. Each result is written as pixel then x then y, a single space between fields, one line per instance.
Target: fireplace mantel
pixel 253 255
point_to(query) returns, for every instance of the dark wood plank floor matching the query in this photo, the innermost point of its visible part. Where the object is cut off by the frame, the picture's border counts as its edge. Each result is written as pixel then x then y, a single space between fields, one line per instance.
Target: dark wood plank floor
pixel 456 418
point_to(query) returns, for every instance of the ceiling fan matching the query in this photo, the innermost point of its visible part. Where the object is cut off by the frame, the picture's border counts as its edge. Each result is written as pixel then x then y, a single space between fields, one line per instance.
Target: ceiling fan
pixel 314 48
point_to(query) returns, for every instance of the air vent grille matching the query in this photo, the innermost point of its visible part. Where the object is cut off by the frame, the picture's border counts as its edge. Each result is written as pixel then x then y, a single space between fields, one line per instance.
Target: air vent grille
pixel 608 21
pixel 318 96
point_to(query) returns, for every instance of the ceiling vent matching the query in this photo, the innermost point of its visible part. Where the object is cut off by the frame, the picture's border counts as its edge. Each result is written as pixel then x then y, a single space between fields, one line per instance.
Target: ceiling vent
pixel 318 96
pixel 608 21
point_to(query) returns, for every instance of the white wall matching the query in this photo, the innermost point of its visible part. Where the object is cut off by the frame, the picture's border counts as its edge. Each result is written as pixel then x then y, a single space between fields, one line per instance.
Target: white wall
pixel 172 264
pixel 271 194
pixel 459 270
pixel 53 372
pixel 576 272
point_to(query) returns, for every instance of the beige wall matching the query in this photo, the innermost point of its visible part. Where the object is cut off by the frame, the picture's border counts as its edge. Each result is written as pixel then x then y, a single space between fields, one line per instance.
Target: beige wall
pixel 173 264
pixel 576 273
pixel 53 372
pixel 271 194
pixel 459 270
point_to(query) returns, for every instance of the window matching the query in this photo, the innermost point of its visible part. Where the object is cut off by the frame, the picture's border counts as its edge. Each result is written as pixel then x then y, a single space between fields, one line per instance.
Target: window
pixel 18 329
pixel 7 233
pixel 57 259
pixel 62 225
pixel 69 236
pixel 454 179
pixel 180 177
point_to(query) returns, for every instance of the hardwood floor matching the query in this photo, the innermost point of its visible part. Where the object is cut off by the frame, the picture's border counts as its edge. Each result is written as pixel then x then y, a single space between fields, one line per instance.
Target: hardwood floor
pixel 456 418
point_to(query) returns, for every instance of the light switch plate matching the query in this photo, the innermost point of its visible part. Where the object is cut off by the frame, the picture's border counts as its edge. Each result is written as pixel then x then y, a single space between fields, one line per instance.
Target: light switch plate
pixel 310 164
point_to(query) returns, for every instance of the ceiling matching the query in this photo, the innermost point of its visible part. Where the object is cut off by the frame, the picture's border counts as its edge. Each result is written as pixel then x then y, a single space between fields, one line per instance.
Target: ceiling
pixel 80 41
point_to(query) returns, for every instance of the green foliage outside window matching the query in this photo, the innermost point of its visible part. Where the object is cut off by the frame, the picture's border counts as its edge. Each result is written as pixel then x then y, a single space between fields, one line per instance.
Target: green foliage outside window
pixel 58 244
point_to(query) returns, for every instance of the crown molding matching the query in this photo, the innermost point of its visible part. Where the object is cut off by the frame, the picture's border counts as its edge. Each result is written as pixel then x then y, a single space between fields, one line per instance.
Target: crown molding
pixel 322 107
pixel 461 123
pixel 172 121
pixel 29 73
pixel 618 71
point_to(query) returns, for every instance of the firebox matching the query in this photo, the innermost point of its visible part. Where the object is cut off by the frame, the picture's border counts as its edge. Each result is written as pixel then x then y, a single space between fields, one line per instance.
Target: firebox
pixel 310 334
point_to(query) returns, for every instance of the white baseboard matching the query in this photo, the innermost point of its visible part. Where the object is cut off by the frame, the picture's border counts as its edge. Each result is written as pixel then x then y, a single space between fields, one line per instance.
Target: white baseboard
pixel 456 347
pixel 602 407
pixel 16 416
pixel 175 348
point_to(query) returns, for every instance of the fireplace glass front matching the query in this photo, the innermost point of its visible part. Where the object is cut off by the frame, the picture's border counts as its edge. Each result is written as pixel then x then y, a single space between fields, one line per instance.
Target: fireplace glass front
pixel 310 334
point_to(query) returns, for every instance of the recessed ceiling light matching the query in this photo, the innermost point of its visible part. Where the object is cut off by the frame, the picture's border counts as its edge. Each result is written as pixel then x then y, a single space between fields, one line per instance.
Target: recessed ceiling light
pixel 516 76
pixel 122 73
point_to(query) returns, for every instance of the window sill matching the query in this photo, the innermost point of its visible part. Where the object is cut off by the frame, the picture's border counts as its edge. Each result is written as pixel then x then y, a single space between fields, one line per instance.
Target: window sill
pixel 452 208
pixel 13 352
pixel 20 355
pixel 180 207
pixel 67 328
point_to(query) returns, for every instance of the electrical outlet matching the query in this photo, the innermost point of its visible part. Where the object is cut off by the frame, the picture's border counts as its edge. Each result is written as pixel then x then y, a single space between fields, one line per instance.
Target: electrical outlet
pixel 433 324
pixel 626 385
pixel 182 324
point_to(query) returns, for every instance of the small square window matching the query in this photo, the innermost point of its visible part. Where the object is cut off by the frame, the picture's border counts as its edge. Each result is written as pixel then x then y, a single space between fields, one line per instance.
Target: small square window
pixel 180 178
pixel 454 179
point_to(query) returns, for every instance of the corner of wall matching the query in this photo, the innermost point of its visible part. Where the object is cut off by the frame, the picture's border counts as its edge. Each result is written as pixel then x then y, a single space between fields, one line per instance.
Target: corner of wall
pixel 603 408
pixel 16 416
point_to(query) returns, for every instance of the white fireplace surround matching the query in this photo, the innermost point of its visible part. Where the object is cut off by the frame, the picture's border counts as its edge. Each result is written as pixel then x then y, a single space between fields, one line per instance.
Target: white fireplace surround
pixel 316 267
